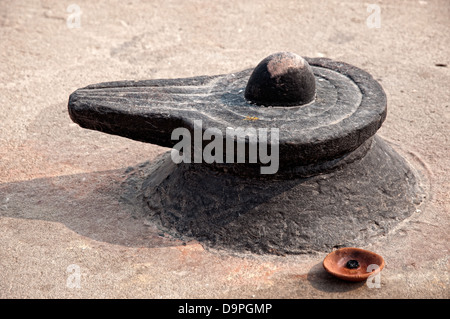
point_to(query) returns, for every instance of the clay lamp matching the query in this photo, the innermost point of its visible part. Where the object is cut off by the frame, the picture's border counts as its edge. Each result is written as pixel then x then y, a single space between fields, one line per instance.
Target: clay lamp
pixel 353 264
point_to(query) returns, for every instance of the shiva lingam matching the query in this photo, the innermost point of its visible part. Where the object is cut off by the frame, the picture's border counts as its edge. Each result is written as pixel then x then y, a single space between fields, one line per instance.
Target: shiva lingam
pixel 331 181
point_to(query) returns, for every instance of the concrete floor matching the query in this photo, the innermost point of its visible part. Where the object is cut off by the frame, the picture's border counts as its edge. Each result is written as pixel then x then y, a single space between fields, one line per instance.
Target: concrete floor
pixel 65 231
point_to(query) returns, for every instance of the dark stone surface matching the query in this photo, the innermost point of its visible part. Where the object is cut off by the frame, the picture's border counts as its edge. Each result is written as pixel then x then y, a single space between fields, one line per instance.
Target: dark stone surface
pixel 281 79
pixel 338 183
pixel 349 108
pixel 351 206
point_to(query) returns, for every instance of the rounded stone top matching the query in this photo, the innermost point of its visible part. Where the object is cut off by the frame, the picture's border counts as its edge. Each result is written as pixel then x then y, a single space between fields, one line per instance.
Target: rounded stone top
pixel 281 79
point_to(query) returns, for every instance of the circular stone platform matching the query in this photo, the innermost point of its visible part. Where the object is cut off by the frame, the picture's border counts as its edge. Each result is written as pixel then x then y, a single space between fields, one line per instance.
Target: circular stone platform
pixel 347 207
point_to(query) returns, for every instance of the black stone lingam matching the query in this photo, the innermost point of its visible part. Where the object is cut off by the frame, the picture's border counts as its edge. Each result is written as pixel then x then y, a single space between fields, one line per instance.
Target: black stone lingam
pixel 282 79
pixel 337 183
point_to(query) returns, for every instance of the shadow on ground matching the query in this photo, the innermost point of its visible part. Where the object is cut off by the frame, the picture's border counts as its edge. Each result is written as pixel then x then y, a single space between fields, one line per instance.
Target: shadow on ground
pixel 94 205
pixel 323 281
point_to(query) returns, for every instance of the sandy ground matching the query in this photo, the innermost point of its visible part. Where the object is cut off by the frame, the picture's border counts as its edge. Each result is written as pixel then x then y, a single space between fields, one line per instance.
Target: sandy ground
pixel 65 233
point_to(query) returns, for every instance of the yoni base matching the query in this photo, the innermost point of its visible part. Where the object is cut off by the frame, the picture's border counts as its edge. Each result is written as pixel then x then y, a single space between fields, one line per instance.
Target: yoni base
pixel 350 206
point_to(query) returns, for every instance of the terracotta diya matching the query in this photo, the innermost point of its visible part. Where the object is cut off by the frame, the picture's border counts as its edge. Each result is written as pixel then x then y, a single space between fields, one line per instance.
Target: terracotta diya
pixel 353 264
